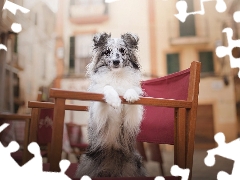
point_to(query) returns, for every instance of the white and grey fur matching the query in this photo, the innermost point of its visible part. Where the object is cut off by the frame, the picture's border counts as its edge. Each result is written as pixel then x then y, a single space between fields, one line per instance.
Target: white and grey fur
pixel 113 127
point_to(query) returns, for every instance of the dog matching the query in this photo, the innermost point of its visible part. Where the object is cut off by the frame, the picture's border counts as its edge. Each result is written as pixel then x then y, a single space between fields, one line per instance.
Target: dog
pixel 113 127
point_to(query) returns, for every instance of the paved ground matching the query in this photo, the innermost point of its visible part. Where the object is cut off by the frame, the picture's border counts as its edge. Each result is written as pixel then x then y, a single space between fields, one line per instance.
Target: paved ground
pixel 200 170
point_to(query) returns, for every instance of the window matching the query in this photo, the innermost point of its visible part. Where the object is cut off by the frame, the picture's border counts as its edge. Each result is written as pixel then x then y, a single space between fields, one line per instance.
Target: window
pixel 206 58
pixel 86 8
pixel 72 54
pixel 15 49
pixel 188 27
pixel 172 63
pixel 80 53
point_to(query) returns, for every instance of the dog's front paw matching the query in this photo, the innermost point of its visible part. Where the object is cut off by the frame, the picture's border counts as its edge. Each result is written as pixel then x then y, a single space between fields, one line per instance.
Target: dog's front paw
pixel 131 95
pixel 111 97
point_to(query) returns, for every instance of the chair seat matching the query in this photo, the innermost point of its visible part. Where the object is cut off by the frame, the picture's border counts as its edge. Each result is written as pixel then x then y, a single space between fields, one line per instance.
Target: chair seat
pixel 17 156
pixel 73 167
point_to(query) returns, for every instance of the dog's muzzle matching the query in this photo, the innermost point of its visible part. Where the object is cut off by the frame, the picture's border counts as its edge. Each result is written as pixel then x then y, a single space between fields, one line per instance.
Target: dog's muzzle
pixel 116 63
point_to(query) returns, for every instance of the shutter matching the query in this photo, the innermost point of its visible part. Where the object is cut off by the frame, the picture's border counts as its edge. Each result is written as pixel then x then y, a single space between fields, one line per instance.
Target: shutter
pixel 188 27
pixel 172 63
pixel 206 58
pixel 72 54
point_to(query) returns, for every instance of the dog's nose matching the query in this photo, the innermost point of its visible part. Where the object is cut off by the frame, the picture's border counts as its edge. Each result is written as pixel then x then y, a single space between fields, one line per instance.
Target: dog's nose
pixel 116 62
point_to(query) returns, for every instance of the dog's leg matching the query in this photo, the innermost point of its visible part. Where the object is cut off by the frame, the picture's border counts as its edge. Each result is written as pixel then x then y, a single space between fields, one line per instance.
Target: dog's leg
pixel 111 96
pixel 133 113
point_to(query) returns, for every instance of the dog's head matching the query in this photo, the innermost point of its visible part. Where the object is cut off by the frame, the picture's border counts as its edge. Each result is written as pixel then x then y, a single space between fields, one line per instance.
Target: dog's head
pixel 115 53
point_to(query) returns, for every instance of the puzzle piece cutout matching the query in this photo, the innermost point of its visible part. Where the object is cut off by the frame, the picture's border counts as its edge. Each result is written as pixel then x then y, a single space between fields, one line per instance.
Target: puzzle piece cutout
pixel 3 47
pixel 182 8
pixel 9 169
pixel 222 51
pixel 12 7
pixel 3 126
pixel 176 171
pixel 227 150
pixel 236 16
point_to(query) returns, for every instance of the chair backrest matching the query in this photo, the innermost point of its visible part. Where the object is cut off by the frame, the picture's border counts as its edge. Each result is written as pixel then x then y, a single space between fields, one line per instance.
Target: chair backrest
pixel 158 122
pixel 185 112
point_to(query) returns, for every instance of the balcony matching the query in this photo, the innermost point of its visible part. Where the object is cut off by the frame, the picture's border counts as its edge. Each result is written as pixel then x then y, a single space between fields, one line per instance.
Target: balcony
pixel 201 33
pixel 88 13
pixel 7 19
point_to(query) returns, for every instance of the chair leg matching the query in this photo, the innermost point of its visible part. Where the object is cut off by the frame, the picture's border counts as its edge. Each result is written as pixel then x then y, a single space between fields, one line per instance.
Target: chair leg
pixel 57 134
pixel 180 151
pixel 32 132
pixel 190 136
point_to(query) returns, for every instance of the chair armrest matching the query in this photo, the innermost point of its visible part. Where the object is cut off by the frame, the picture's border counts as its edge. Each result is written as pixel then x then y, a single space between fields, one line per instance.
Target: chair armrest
pixel 87 96
pixel 48 105
pixel 14 117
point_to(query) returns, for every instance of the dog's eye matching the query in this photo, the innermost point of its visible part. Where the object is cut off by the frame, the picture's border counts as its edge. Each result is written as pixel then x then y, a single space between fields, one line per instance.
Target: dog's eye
pixel 106 52
pixel 122 51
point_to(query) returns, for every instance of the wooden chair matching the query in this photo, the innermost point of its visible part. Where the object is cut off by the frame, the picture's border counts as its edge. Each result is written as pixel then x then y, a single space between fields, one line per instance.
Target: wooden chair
pixel 20 155
pixel 39 108
pixel 185 112
pixel 183 126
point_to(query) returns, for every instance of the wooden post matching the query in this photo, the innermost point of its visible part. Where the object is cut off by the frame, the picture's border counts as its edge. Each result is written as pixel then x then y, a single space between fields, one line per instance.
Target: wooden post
pixel 57 134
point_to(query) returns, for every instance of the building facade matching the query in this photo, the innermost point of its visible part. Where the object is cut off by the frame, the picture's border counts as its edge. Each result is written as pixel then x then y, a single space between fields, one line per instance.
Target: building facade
pixel 10 64
pixel 36 44
pixel 28 65
pixel 196 39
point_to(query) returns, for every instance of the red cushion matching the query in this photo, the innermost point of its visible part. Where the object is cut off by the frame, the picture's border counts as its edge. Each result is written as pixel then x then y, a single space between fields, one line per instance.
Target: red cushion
pixel 158 122
pixel 44 134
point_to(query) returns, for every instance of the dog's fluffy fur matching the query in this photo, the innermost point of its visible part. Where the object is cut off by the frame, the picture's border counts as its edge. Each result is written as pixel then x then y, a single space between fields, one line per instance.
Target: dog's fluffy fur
pixel 113 127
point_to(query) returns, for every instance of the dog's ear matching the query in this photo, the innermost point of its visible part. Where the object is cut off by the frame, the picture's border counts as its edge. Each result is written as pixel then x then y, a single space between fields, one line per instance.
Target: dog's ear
pixel 100 39
pixel 131 40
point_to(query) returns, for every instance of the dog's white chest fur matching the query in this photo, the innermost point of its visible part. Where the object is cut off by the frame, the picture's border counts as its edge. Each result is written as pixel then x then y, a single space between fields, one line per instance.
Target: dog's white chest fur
pixel 126 83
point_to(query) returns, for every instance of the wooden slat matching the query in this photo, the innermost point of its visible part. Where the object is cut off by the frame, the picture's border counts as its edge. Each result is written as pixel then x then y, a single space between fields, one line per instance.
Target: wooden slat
pixel 87 96
pixel 14 117
pixel 41 105
pixel 26 139
pixel 33 129
pixel 48 105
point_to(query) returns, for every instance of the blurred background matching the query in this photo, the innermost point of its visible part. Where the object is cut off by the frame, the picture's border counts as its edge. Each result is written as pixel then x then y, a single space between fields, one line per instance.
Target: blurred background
pixel 55 45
